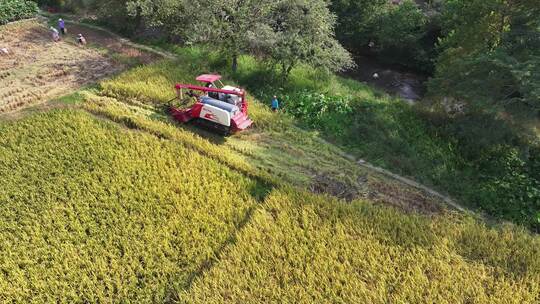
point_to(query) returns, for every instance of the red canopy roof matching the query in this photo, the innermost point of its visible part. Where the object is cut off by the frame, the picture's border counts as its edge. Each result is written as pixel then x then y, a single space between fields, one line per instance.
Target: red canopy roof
pixel 208 78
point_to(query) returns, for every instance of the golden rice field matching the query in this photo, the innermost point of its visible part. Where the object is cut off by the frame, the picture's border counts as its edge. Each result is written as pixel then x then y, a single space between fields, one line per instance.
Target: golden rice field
pixel 308 161
pixel 301 248
pixel 96 212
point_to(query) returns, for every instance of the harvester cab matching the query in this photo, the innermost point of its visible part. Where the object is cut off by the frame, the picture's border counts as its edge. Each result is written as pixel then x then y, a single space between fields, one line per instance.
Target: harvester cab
pixel 219 107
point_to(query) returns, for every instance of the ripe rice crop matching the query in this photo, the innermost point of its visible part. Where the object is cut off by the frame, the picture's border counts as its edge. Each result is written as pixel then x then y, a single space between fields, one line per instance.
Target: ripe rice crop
pixel 120 204
pixel 301 248
pixel 130 117
pixel 93 213
pixel 274 144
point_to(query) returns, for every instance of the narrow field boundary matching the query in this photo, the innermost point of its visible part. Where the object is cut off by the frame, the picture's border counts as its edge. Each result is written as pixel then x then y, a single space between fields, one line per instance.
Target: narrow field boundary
pixel 446 199
pixel 20 21
pixel 407 181
pixel 126 41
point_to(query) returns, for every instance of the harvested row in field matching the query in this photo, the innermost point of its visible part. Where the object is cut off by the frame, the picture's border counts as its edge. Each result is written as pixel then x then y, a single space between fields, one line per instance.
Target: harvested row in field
pixel 38 69
pixel 309 162
pixel 93 212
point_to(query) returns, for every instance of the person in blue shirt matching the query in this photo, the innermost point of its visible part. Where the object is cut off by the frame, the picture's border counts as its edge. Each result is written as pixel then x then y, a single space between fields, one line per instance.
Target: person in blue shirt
pixel 62 26
pixel 275 104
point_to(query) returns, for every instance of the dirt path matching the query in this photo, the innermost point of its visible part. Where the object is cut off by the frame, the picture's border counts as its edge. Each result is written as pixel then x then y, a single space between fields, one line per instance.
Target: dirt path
pixel 446 199
pixel 117 42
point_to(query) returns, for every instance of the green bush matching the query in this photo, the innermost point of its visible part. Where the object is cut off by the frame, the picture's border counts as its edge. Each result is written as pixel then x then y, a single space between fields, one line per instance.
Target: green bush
pixel 514 190
pixel 11 10
pixel 319 110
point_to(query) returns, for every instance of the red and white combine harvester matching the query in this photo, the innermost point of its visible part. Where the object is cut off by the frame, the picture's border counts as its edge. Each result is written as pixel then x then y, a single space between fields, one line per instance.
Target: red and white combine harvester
pixel 223 109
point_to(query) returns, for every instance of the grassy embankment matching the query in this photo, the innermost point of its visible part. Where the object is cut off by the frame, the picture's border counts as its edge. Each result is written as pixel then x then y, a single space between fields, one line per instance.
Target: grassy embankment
pixel 484 160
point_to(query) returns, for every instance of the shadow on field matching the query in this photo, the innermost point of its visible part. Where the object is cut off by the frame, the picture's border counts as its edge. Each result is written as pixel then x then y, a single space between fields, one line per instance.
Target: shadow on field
pixel 260 191
pixel 207 134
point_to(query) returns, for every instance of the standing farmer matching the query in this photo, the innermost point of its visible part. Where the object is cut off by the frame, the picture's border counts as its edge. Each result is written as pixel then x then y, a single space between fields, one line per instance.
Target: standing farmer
pixel 275 104
pixel 62 26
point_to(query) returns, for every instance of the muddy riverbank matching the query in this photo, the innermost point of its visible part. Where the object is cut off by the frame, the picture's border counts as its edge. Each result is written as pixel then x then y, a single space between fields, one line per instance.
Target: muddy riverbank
pixel 395 80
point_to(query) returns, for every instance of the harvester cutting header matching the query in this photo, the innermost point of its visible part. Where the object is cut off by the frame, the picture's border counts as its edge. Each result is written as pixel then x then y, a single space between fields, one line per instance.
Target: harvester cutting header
pixel 223 109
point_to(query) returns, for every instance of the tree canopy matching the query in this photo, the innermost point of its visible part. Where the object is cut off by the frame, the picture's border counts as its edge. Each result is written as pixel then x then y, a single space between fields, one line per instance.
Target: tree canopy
pixel 302 31
pixel 490 52
pixel 398 33
pixel 492 44
pixel 282 32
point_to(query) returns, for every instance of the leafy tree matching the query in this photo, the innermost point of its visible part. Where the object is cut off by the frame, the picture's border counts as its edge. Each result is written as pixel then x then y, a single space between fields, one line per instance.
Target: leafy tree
pixel 175 16
pixel 54 3
pixel 490 52
pixel 303 32
pixel 227 25
pixel 397 33
pixel 400 26
pixel 356 21
pixel 282 32
pixel 115 14
pixel 70 5
pixel 230 25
